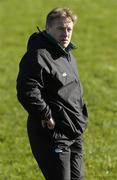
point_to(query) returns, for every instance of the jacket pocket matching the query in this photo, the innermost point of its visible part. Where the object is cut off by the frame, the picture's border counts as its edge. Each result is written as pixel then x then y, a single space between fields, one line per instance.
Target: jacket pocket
pixel 65 125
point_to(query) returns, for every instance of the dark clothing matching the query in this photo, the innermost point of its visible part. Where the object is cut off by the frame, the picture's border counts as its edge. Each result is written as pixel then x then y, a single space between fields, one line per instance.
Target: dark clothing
pixel 58 157
pixel 48 86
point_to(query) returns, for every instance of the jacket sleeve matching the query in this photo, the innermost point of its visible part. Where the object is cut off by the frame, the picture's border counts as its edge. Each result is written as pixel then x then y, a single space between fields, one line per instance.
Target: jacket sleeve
pixel 30 87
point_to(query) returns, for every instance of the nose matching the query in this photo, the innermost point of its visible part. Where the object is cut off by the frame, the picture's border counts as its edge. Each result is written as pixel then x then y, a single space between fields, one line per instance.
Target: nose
pixel 66 32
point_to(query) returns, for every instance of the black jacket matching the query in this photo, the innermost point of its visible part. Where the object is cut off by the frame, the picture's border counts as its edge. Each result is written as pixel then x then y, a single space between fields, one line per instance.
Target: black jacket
pixel 48 85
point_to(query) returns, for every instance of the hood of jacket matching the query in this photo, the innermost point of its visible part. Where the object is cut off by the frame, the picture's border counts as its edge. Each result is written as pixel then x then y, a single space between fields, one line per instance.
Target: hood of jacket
pixel 42 40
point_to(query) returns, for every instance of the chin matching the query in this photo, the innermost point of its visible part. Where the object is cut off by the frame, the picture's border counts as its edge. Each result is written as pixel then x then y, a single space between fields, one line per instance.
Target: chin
pixel 64 45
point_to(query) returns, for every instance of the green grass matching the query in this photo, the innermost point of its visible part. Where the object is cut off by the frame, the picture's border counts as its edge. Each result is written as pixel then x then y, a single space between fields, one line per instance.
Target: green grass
pixel 96 35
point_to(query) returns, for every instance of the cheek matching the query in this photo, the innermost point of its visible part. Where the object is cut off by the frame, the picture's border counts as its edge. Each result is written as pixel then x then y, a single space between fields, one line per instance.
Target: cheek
pixel 70 35
pixel 56 36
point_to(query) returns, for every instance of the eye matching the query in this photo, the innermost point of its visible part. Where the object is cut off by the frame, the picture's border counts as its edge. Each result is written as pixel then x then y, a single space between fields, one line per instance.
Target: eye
pixel 61 28
pixel 69 29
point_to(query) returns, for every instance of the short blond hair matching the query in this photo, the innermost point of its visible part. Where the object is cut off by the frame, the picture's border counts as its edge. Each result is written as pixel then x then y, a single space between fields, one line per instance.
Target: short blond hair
pixel 60 13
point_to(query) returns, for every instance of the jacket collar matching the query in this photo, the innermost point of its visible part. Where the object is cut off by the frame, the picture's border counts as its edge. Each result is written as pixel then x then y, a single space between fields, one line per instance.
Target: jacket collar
pixel 57 46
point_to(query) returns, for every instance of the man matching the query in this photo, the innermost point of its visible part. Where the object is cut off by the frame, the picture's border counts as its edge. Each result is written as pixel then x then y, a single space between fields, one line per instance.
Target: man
pixel 49 89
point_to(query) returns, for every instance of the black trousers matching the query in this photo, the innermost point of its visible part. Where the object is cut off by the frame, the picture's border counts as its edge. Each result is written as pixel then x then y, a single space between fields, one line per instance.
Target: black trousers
pixel 58 157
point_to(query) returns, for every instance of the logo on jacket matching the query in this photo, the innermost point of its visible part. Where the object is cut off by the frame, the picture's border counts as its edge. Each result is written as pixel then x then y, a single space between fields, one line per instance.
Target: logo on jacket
pixel 64 74
pixel 57 150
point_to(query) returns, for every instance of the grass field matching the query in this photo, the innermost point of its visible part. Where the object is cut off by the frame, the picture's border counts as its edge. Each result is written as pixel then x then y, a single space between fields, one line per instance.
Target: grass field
pixel 96 36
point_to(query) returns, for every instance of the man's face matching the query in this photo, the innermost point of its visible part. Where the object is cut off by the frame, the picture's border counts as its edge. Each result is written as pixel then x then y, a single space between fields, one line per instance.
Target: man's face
pixel 61 30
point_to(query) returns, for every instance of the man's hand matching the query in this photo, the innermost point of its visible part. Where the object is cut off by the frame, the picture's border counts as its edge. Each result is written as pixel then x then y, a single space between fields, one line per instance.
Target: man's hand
pixel 50 124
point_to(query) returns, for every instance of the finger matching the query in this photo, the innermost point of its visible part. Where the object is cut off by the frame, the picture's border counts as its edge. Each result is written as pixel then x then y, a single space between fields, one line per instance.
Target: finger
pixel 51 125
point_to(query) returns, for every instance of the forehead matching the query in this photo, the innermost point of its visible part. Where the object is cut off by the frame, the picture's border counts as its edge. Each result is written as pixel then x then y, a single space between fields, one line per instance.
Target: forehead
pixel 63 21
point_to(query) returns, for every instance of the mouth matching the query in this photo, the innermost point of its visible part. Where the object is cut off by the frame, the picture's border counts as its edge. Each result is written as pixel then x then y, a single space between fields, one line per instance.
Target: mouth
pixel 64 40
